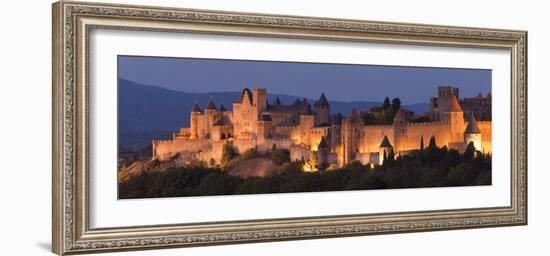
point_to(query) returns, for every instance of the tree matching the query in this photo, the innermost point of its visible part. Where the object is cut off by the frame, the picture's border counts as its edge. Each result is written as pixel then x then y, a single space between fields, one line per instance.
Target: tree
pixel 396 104
pixel 386 104
pixel 470 152
pixel 227 153
pixel 391 155
pixel 432 144
pixel 280 156
pixel 421 142
pixel 273 148
pixel 250 154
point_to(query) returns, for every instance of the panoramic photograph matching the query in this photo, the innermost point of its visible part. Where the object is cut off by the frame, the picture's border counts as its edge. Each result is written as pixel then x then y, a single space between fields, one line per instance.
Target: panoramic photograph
pixel 213 127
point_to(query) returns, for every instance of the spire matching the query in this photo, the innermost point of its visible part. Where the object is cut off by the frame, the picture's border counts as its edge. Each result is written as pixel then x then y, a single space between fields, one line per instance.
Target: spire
pixel 244 92
pixel 472 125
pixel 210 105
pixel 196 108
pixel 385 142
pixel 222 108
pixel 322 144
pixel 322 100
pixel 306 111
pixel 453 105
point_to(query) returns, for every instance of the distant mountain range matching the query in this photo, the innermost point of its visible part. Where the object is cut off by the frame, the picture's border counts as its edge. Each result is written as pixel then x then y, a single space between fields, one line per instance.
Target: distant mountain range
pixel 147 111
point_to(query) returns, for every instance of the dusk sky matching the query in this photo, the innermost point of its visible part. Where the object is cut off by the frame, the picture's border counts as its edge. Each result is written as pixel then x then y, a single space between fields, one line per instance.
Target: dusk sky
pixel 340 82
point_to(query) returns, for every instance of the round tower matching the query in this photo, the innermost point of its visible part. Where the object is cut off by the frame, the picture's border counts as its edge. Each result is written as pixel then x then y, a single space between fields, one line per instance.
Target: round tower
pixel 473 134
pixel 322 111
pixel 323 150
pixel 194 124
pixel 384 150
pixel 454 116
pixel 400 125
pixel 210 112
pixel 351 136
pixel 306 123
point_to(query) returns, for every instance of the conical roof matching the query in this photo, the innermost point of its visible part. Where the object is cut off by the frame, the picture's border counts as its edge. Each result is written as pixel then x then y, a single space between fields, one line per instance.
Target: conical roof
pixel 322 144
pixel 453 106
pixel 210 105
pixel 196 108
pixel 306 111
pixel 246 92
pixel 322 100
pixel 472 125
pixel 385 142
pixel 222 108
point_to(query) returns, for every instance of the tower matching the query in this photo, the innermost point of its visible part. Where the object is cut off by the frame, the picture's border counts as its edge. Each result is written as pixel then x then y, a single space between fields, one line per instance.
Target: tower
pixel 455 119
pixel 439 104
pixel 473 134
pixel 259 100
pixel 351 135
pixel 195 116
pixel 323 150
pixel 384 149
pixel 322 111
pixel 400 125
pixel 306 123
pixel 210 112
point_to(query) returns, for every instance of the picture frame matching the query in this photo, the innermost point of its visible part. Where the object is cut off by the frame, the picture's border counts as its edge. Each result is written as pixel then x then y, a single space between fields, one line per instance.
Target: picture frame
pixel 74 21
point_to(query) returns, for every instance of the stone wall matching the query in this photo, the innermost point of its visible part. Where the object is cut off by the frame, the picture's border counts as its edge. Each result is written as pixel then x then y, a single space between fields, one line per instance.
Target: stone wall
pixel 164 149
pixel 372 136
pixel 486 135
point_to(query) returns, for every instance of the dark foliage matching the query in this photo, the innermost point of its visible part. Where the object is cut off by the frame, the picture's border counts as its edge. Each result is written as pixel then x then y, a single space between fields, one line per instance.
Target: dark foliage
pixel 383 114
pixel 280 156
pixel 228 153
pixel 395 104
pixel 431 167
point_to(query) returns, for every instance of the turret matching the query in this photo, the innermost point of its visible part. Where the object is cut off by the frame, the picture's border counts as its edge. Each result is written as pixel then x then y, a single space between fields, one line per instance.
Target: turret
pixel 195 115
pixel 454 116
pixel 210 106
pixel 322 111
pixel 351 136
pixel 336 132
pixel 473 134
pixel 260 100
pixel 384 150
pixel 306 117
pixel 400 127
pixel 323 150
pixel 222 108
pixel 211 115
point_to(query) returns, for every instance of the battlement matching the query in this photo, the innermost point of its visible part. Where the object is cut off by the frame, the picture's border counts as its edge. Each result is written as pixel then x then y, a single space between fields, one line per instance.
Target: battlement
pixel 434 123
pixel 213 128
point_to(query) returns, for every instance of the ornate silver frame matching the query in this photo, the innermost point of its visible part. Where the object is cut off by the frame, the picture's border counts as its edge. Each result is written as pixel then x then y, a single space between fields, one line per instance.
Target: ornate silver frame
pixel 72 22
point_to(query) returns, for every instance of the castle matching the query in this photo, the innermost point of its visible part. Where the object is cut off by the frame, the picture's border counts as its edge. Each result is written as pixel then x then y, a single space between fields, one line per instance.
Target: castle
pixel 308 130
